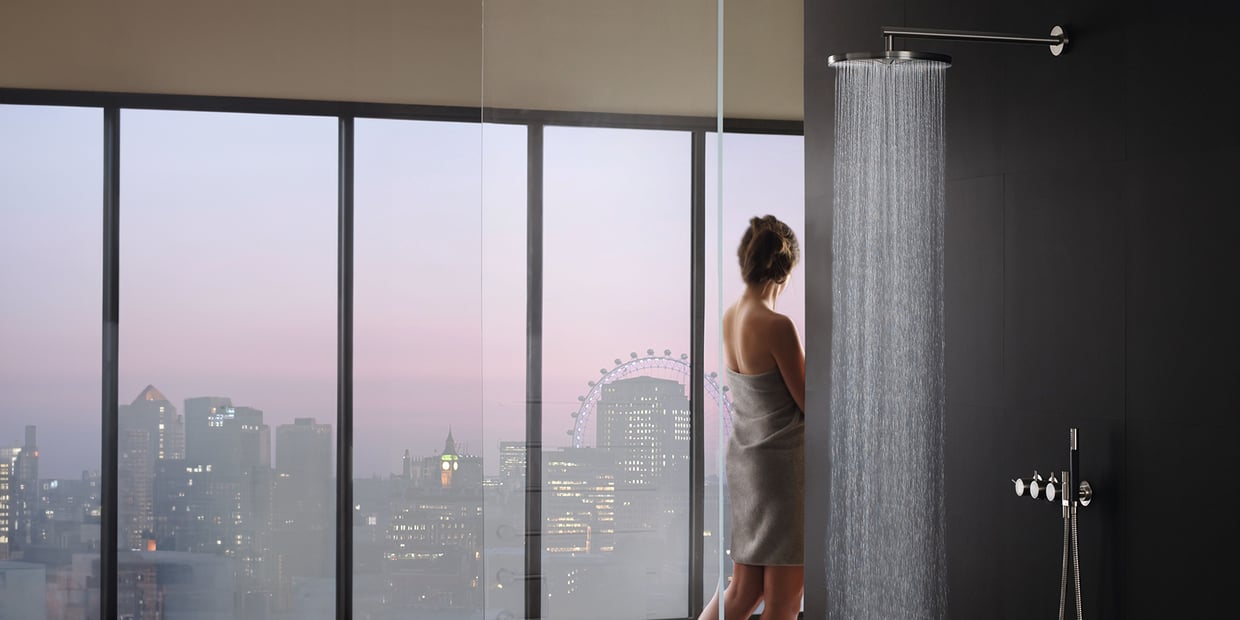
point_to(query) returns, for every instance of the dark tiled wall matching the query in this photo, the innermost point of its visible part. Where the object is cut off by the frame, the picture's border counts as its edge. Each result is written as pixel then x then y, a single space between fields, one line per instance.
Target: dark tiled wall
pixel 1093 246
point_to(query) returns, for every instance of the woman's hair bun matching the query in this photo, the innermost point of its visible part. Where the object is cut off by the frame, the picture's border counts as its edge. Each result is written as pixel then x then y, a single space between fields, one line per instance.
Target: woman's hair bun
pixel 768 251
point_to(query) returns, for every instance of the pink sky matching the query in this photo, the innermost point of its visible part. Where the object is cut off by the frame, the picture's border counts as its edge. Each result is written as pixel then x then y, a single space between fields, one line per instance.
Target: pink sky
pixel 228 277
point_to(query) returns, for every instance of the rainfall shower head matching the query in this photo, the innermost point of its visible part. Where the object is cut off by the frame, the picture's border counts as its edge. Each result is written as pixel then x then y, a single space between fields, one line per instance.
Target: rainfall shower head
pixel 1057 41
pixel 890 57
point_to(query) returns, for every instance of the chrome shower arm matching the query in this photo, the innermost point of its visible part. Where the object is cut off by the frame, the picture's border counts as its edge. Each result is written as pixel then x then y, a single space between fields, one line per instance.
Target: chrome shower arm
pixel 1057 40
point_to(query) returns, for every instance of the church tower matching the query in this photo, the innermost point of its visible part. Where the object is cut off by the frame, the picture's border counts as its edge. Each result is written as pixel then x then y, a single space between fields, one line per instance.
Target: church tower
pixel 449 461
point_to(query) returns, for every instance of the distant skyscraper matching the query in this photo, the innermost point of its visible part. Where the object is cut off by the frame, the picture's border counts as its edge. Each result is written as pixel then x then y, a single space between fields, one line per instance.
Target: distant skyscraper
pixel 646 422
pixel 7 456
pixel 26 516
pixel 304 448
pixel 229 438
pixel 512 459
pixel 136 485
pixel 200 415
pixel 150 430
pixel 152 411
pixel 303 497
pixel 579 501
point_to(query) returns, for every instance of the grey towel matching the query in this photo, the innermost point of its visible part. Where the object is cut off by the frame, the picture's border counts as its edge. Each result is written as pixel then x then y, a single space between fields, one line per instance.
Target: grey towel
pixel 766 471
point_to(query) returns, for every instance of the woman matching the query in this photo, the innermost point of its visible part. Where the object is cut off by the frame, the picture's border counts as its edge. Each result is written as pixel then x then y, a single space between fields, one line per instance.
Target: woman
pixel 765 466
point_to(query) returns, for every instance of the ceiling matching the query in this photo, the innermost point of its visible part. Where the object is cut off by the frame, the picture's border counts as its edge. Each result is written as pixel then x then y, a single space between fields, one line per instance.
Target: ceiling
pixel 631 56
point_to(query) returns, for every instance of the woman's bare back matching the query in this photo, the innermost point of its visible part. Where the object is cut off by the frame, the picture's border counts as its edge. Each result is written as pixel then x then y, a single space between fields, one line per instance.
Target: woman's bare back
pixel 758 340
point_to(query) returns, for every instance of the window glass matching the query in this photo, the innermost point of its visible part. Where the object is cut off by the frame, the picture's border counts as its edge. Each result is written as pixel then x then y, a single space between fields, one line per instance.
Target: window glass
pixel 227 365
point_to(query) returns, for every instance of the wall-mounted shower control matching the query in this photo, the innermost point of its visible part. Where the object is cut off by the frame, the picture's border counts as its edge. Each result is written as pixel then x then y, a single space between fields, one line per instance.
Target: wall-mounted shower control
pixel 1070 492
pixel 1029 486
pixel 1051 491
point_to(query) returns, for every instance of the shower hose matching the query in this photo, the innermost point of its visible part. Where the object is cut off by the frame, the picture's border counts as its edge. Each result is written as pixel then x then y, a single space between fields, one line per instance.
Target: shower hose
pixel 1069 539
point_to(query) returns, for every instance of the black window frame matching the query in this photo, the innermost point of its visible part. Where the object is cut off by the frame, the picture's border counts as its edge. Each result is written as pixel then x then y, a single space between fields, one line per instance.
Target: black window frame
pixel 110 105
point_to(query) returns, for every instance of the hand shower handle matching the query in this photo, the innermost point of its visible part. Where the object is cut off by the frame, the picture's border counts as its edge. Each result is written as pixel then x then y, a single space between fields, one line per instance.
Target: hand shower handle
pixel 1074 467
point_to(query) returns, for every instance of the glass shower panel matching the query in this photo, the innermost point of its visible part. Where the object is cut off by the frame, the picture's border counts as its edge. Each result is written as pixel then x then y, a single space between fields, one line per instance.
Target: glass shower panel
pixel 418 474
pixel 762 175
pixel 588 340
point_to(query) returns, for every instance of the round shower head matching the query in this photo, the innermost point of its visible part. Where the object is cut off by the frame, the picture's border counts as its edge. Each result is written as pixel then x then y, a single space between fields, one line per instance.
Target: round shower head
pixel 890 57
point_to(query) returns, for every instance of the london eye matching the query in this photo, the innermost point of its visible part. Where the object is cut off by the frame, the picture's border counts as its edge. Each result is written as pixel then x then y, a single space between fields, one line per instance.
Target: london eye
pixel 642 365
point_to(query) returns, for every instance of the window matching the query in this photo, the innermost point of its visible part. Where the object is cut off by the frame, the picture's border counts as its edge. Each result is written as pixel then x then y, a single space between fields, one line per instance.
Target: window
pixel 228 351
pixel 616 411
pixel 420 426
pixel 50 294
pixel 228 361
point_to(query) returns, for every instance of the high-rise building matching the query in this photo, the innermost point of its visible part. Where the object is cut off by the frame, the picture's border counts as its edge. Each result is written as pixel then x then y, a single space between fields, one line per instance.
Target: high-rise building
pixel 304 449
pixel 228 438
pixel 304 499
pixel 579 501
pixel 200 414
pixel 25 498
pixel 152 410
pixel 646 422
pixel 6 514
pixel 150 430
pixel 512 460
pixel 136 486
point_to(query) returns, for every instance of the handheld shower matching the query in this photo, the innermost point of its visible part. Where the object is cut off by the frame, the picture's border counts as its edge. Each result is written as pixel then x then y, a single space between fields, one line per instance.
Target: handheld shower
pixel 1071 492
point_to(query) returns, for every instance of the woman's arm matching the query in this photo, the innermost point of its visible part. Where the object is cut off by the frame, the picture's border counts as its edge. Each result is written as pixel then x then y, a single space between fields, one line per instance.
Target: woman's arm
pixel 789 357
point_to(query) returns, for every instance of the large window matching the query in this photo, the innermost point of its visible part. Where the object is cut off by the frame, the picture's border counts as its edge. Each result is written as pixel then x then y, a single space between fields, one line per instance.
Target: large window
pixel 227 365
pixel 50 237
pixel 229 351
pixel 427 453
pixel 616 411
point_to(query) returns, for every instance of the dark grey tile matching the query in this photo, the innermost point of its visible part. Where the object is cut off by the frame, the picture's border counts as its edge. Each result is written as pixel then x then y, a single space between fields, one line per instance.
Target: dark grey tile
pixel 973 292
pixel 1183 286
pixel 1181 81
pixel 1065 111
pixel 1064 292
pixel 973 493
pixel 1179 530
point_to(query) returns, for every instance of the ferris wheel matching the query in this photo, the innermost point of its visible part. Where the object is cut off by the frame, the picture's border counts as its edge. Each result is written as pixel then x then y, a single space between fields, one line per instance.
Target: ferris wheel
pixel 640 365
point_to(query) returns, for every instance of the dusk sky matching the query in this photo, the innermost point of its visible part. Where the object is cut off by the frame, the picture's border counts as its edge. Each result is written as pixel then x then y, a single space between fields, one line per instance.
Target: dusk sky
pixel 228 272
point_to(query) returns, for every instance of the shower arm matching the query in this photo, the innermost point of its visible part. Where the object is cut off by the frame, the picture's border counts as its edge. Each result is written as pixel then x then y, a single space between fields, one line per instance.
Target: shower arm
pixel 1057 40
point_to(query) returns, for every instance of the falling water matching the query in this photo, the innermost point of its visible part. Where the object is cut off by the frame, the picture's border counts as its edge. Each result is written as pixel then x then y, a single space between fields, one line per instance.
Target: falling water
pixel 886 556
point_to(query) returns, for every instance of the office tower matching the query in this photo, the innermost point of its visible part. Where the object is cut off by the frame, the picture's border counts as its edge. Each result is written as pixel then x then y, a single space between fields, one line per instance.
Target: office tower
pixel 136 486
pixel 512 460
pixel 230 439
pixel 646 422
pixel 304 449
pixel 202 413
pixel 152 411
pixel 150 430
pixel 579 501
pixel 7 456
pixel 24 495
pixel 304 498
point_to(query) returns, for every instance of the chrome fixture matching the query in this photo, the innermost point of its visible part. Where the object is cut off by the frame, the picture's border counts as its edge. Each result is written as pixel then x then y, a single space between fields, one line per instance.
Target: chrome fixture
pixel 1071 495
pixel 1057 41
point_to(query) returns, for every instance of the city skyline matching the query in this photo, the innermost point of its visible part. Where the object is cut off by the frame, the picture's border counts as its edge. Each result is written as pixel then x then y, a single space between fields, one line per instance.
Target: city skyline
pixel 198 314
pixel 199 498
